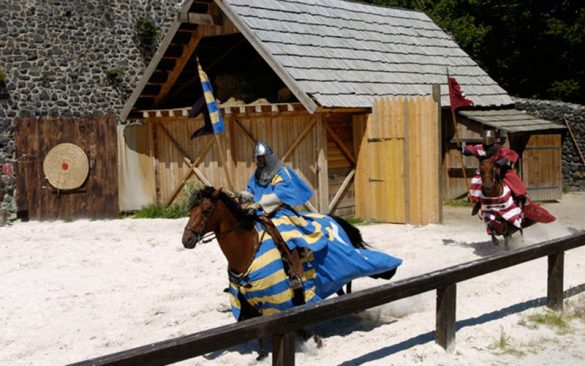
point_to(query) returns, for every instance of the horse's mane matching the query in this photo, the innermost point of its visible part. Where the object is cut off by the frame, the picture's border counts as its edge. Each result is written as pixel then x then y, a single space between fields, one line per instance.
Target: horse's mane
pixel 246 219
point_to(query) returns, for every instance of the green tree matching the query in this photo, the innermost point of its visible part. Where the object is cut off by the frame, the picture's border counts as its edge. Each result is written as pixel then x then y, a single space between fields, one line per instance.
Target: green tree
pixel 533 48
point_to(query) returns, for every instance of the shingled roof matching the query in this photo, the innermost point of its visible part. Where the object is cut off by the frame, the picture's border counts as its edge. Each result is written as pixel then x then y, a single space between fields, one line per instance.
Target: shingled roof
pixel 329 53
pixel 343 53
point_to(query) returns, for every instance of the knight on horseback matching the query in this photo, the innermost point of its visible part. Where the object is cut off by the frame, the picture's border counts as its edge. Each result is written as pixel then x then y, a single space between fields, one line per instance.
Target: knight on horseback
pixel 504 158
pixel 275 189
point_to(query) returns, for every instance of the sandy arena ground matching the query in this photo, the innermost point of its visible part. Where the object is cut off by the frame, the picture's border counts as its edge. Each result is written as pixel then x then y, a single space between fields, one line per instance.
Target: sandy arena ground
pixel 78 290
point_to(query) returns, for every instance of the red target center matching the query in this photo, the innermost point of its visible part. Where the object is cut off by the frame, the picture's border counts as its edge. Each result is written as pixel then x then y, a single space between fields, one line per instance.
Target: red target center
pixel 64 166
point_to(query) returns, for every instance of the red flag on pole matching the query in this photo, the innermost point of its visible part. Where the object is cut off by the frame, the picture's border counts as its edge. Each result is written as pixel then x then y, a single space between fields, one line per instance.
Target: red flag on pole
pixel 456 96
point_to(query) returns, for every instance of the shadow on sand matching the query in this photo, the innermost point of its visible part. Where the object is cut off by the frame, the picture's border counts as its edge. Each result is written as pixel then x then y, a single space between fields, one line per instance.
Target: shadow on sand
pixel 430 336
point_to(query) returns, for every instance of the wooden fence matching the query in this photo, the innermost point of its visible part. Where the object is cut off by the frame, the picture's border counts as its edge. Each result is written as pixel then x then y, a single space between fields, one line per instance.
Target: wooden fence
pixel 281 326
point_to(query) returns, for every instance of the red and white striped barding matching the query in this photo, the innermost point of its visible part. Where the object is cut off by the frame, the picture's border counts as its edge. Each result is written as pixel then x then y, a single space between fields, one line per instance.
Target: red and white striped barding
pixel 504 206
pixel 475 188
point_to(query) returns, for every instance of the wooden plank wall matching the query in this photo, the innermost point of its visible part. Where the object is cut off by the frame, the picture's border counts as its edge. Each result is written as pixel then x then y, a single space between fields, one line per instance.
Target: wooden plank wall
pixel 398 174
pixel 96 198
pixel 542 167
pixel 279 130
pixel 338 164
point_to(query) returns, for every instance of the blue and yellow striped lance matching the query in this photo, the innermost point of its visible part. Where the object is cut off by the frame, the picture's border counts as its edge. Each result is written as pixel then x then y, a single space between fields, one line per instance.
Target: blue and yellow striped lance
pixel 212 107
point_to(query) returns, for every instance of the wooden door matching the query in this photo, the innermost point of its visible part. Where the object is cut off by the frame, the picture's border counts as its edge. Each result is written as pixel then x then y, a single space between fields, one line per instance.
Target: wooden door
pixel 542 167
pixel 96 198
pixel 398 165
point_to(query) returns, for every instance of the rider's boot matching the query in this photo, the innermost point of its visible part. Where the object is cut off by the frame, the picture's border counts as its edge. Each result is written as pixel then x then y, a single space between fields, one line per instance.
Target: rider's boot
pixel 475 209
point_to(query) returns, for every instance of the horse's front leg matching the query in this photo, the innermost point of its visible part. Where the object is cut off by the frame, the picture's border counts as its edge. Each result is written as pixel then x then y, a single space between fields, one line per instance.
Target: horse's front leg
pixel 306 335
pixel 262 349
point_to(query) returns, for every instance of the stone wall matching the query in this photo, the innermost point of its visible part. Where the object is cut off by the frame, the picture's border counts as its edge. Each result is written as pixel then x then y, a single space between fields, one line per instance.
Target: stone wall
pixel 56 56
pixel 573 166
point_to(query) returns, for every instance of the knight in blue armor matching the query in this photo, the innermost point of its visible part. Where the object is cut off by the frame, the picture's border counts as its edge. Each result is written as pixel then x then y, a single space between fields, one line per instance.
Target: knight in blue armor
pixel 274 185
pixel 332 260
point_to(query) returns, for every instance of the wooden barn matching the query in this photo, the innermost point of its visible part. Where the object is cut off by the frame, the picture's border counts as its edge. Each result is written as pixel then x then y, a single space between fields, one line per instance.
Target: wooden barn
pixel 349 94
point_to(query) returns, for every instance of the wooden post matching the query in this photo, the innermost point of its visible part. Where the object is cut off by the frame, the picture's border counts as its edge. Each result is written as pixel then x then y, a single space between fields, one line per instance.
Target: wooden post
pixel 437 99
pixel 555 281
pixel 445 323
pixel 283 349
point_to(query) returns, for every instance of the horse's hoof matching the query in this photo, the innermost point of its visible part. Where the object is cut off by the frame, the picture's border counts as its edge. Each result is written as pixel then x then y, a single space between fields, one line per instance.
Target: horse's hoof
pixel 495 240
pixel 318 341
pixel 261 355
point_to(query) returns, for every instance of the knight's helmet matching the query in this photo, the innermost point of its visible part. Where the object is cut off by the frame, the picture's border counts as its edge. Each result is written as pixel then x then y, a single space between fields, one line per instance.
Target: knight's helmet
pixel 262 148
pixel 491 137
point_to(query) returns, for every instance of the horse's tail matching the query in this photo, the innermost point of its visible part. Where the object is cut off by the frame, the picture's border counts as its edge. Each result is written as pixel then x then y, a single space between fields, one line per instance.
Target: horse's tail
pixel 354 234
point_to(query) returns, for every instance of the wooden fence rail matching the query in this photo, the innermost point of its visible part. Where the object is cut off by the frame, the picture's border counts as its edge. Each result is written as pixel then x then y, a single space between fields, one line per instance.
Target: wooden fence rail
pixel 281 326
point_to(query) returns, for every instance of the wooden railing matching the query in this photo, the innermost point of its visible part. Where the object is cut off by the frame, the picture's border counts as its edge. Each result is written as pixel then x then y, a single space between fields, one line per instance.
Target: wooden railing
pixel 281 326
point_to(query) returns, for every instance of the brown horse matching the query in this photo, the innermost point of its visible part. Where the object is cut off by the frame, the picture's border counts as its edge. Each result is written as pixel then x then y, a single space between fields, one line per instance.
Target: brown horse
pixel 215 211
pixel 234 228
pixel 500 211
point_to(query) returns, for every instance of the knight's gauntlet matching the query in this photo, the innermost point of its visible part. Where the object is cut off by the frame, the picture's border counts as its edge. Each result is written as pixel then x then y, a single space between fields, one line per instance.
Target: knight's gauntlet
pixel 246 197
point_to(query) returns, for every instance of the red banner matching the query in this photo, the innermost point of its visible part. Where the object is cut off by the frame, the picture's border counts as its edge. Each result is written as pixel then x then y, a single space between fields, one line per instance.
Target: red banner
pixel 456 96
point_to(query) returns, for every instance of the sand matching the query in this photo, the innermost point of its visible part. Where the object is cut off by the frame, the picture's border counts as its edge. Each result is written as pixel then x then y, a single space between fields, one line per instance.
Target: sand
pixel 70 291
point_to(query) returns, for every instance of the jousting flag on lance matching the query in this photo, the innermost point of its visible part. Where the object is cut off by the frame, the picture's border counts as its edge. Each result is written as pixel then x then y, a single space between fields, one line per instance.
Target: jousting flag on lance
pixel 457 100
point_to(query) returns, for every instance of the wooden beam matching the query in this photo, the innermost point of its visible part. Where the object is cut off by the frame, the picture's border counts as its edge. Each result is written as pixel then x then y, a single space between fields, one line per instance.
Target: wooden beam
pixel 162 48
pixel 192 164
pixel 174 74
pixel 208 67
pixel 246 132
pixel 348 154
pixel 341 192
pixel 322 166
pixel 299 139
pixel 197 18
pixel 198 173
pixel 288 80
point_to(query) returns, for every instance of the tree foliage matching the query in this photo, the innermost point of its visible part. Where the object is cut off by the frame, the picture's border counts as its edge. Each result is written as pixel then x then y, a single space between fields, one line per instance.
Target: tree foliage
pixel 533 48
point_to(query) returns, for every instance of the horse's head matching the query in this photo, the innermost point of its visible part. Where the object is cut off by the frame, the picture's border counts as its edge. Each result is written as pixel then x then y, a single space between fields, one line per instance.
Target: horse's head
pixel 487 169
pixel 203 203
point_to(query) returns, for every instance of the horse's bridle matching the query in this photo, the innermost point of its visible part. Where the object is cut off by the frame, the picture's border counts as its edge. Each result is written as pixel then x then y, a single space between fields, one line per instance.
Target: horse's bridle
pixel 205 215
pixel 494 173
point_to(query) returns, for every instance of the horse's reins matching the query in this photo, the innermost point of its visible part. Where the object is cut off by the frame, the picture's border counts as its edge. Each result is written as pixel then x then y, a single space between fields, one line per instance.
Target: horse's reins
pixel 291 258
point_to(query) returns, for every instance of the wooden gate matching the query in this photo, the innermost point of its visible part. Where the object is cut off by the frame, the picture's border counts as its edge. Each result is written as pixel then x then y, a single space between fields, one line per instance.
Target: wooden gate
pixel 397 177
pixel 96 198
pixel 541 167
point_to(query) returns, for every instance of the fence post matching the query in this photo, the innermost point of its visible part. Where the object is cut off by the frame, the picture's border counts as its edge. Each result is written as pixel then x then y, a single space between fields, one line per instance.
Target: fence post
pixel 555 281
pixel 445 324
pixel 283 349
